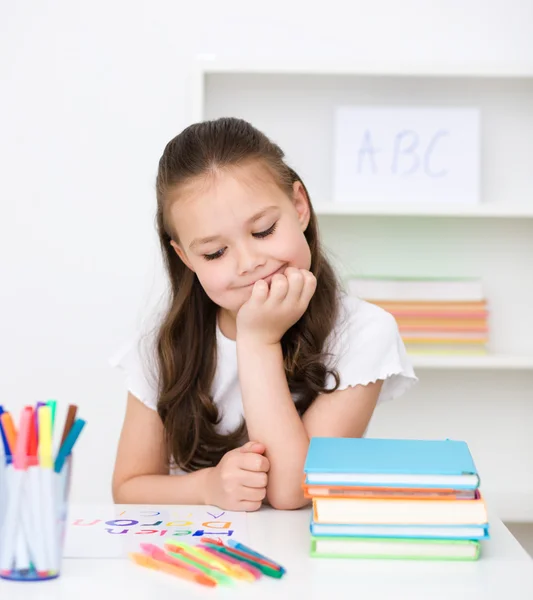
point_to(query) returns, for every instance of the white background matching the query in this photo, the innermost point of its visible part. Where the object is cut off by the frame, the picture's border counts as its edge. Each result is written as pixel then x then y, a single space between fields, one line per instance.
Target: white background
pixel 90 94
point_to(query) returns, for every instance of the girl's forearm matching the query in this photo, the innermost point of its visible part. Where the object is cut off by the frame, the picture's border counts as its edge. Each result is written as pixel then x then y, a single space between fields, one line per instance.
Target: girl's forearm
pixel 273 420
pixel 190 488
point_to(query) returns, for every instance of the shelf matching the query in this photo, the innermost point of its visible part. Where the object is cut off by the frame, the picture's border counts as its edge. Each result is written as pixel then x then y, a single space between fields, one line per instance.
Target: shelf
pixel 489 361
pixel 495 211
pixel 209 63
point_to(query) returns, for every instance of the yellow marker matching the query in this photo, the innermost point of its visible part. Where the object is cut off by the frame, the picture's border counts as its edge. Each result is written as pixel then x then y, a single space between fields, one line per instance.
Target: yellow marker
pixel 215 562
pixel 45 437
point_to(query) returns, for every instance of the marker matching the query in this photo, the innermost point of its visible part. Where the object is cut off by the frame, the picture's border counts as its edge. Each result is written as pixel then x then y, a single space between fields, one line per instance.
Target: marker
pixel 5 443
pixel 158 553
pixel 15 553
pixel 47 487
pixel 53 406
pixel 255 562
pixel 36 416
pixel 3 483
pixel 68 444
pixel 210 560
pixel 69 421
pixel 189 559
pixel 241 553
pixel 23 554
pixel 150 563
pixel 233 562
pixel 238 546
pixel 9 434
pixel 32 506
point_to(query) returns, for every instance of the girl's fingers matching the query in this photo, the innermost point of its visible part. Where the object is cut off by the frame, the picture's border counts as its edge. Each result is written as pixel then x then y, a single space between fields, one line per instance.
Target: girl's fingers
pixel 309 288
pixel 251 494
pixel 259 291
pixel 248 506
pixel 257 479
pixel 253 461
pixel 296 281
pixel 279 286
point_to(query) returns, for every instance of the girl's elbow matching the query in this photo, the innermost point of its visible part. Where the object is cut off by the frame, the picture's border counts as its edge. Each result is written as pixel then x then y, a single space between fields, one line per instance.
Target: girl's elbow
pixel 285 502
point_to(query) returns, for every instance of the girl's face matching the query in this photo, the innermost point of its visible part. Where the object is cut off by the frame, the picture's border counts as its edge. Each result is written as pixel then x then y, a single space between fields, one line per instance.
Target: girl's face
pixel 237 227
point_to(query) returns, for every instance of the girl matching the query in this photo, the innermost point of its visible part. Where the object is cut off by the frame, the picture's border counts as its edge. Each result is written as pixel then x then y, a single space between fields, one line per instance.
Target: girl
pixel 259 349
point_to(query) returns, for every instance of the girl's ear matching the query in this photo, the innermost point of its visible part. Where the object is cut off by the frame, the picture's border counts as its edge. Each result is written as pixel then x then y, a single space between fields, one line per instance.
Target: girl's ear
pixel 179 251
pixel 301 204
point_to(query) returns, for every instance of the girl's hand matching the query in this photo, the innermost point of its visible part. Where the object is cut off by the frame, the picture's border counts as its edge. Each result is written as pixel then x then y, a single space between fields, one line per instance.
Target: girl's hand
pixel 269 312
pixel 239 480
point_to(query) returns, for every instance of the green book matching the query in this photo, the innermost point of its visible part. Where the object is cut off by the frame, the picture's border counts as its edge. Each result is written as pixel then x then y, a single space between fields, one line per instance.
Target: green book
pixel 394 548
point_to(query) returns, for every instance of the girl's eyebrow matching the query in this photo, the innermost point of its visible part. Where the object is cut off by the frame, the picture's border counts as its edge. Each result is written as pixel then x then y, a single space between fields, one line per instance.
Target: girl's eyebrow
pixel 212 238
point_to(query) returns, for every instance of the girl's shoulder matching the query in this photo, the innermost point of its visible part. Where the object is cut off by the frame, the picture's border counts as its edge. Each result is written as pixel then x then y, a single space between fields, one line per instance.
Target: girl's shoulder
pixel 358 319
pixel 365 346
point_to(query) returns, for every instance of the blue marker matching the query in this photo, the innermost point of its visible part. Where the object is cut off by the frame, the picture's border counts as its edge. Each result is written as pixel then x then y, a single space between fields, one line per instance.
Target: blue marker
pixel 68 444
pixel 238 546
pixel 5 444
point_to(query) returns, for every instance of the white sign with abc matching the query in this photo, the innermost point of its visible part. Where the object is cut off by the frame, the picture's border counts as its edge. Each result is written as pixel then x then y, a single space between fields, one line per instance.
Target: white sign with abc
pixel 415 154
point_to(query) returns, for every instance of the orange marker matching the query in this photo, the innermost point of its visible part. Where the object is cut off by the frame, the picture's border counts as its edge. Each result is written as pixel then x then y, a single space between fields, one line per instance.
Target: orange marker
pixel 9 430
pixel 151 563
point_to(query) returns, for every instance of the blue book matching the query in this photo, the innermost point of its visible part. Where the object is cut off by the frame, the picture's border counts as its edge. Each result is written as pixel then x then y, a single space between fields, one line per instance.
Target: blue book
pixel 391 463
pixel 434 532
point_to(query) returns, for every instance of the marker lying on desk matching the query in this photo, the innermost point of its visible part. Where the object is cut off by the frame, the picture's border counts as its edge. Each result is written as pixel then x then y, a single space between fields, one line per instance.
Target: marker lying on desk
pixel 189 559
pixel 151 563
pixel 237 566
pixel 238 551
pixel 209 560
pixel 243 548
pixel 260 564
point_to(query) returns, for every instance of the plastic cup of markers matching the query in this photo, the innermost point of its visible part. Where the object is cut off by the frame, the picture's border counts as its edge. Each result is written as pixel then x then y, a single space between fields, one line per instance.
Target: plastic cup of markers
pixel 33 516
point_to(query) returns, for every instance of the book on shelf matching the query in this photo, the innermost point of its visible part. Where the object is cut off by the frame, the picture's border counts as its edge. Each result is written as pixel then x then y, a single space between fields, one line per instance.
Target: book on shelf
pixel 375 289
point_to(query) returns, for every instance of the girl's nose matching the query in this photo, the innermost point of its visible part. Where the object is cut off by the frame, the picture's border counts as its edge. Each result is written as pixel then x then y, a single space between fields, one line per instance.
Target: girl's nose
pixel 249 259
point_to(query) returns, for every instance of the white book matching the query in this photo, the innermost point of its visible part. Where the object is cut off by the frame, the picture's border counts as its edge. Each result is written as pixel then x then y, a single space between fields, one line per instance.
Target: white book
pixel 422 290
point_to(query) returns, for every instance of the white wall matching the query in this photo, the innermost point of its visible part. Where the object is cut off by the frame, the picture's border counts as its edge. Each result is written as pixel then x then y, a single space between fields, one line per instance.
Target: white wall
pixel 90 94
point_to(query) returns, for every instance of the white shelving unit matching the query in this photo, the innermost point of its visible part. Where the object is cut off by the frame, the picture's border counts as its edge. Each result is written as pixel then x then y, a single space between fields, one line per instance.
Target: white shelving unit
pixel 486 400
pixel 293 102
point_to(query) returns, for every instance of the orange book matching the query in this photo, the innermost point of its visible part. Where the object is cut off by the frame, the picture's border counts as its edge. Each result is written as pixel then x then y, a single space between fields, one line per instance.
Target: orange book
pixel 472 324
pixel 339 491
pixel 391 306
pixel 421 339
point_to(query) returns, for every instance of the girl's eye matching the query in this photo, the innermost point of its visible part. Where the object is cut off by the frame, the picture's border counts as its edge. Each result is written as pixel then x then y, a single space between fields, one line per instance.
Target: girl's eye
pixel 259 234
pixel 267 232
pixel 215 255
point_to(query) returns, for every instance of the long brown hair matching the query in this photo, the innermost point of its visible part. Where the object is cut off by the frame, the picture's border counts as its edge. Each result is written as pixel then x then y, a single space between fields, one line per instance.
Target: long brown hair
pixel 186 339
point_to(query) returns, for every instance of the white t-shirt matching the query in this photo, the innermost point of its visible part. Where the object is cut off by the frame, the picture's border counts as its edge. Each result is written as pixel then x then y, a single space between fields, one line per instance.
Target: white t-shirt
pixel 365 346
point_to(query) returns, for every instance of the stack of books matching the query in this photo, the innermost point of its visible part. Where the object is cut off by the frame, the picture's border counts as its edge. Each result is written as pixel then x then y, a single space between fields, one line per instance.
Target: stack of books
pixel 435 316
pixel 385 498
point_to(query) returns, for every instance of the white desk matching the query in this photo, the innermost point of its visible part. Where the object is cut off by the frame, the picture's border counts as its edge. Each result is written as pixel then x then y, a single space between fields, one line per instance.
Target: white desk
pixel 505 572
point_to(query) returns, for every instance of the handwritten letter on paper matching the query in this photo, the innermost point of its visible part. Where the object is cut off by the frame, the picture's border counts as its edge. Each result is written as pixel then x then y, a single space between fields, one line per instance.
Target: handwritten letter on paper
pixel 406 155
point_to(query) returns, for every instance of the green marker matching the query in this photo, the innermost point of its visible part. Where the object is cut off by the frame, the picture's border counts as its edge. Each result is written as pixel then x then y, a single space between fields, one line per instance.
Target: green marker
pixel 53 405
pixel 218 575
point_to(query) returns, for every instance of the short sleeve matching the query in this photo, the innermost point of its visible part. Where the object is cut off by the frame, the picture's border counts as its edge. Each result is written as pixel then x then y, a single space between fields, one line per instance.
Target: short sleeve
pixel 136 360
pixel 366 347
